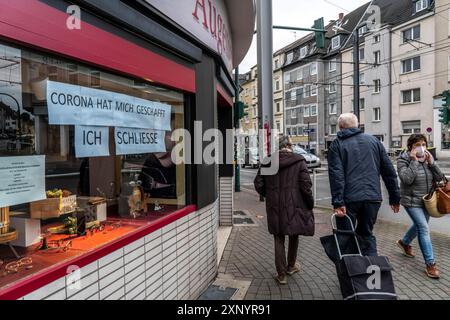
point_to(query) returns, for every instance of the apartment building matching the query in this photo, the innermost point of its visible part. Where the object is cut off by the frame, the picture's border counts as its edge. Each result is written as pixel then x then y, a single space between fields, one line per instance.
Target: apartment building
pixel 301 76
pixel 413 74
pixel 278 101
pixel 395 72
pixel 313 86
pixel 249 96
pixel 441 133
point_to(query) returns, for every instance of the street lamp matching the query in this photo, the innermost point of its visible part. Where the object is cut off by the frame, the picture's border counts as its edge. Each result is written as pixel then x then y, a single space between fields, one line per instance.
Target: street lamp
pixel 18 143
pixel 356 93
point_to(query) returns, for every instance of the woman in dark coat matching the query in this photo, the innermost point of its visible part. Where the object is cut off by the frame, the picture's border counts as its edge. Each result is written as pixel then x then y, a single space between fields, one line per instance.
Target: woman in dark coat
pixel 289 204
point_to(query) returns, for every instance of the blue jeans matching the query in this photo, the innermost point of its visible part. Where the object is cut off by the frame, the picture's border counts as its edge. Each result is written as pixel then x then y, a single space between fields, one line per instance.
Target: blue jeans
pixel 420 229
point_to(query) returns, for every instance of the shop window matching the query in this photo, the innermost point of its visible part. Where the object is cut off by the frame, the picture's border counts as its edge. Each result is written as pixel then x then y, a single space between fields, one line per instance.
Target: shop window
pixel 95 79
pixel 72 72
pixel 85 150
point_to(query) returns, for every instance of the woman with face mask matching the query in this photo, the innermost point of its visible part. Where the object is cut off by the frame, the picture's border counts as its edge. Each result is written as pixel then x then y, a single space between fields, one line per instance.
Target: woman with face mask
pixel 417 171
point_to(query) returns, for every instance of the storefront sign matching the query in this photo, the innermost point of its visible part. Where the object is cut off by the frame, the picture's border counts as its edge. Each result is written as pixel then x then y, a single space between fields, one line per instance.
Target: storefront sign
pixel 91 141
pixel 22 180
pixel 138 141
pixel 75 105
pixel 205 19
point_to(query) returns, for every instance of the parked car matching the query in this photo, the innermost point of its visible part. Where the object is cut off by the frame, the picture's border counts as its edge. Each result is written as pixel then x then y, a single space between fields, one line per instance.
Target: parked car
pixel 312 161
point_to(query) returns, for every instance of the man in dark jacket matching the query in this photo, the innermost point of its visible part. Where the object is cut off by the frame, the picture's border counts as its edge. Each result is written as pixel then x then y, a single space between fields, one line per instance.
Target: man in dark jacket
pixel 289 204
pixel 355 163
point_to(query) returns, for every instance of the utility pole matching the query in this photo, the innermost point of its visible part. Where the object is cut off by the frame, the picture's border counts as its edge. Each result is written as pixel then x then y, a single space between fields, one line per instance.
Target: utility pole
pixel 265 63
pixel 265 72
pixel 356 78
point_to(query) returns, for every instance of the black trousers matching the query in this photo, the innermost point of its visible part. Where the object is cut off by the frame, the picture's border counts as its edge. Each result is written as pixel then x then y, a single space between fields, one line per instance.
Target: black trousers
pixel 364 215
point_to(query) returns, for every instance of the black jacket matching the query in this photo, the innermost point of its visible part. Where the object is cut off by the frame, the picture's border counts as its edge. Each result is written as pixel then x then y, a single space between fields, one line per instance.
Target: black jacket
pixel 289 198
pixel 355 163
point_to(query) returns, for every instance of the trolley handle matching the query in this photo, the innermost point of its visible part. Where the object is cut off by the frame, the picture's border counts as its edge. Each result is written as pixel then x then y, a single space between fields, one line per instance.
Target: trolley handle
pixel 337 231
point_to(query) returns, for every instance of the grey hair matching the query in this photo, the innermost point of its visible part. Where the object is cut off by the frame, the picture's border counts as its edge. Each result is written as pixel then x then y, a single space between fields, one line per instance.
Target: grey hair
pixel 284 142
pixel 348 121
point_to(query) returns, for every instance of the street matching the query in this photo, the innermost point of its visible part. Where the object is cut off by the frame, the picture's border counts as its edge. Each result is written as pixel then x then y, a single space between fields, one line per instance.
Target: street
pixel 323 199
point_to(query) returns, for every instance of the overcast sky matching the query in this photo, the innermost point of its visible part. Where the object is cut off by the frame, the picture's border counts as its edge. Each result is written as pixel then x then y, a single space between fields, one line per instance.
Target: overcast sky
pixel 299 13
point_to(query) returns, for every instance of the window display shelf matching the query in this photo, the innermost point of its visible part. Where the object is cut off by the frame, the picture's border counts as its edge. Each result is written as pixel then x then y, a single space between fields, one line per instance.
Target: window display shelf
pixel 52 264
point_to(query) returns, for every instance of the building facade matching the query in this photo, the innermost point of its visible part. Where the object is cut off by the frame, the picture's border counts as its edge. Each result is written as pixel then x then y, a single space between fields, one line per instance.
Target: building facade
pixel 95 99
pixel 441 133
pixel 413 76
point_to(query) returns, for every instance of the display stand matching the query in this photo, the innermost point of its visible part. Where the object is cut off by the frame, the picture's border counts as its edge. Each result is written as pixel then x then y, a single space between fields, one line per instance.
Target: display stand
pixel 7 234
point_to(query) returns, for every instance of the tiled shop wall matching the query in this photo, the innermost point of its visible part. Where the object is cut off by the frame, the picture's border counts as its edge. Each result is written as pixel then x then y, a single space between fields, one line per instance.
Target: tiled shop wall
pixel 226 201
pixel 176 262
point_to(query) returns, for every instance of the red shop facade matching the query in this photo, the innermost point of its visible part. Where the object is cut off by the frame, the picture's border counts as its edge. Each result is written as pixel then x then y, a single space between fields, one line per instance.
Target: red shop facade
pixel 94 202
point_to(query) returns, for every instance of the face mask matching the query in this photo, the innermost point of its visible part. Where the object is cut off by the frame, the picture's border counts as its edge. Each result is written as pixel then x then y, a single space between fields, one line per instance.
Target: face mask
pixel 420 153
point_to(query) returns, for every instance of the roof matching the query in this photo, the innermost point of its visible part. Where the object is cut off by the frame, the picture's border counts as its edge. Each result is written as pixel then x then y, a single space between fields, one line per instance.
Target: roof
pixel 394 13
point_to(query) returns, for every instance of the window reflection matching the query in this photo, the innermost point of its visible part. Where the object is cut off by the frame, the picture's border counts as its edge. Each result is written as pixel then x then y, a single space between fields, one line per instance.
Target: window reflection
pixel 24 130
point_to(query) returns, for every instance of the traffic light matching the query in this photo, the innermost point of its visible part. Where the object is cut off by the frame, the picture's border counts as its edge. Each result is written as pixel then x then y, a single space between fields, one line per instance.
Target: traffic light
pixel 239 111
pixel 444 111
pixel 320 35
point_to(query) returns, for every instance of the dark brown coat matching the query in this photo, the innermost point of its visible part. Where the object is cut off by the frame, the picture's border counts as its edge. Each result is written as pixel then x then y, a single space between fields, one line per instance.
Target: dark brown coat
pixel 289 198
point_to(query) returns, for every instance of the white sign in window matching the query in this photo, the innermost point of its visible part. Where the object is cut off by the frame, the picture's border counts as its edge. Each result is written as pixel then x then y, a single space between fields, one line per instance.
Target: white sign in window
pixel 76 105
pixel 138 141
pixel 91 141
pixel 22 180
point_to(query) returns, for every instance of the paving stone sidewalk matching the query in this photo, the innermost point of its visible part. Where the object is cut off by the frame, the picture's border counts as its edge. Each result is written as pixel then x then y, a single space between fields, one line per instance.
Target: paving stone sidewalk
pixel 249 256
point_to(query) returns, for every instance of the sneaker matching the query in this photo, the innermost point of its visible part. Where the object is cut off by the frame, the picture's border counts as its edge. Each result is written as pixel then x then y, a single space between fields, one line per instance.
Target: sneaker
pixel 294 269
pixel 432 271
pixel 281 279
pixel 407 250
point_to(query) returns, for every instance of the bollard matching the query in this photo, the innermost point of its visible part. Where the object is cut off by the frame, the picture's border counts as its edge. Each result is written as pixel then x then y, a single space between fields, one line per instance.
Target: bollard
pixel 314 186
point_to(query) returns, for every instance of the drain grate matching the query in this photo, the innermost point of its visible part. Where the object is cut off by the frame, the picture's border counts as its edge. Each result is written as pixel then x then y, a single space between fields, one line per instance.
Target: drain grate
pixel 218 293
pixel 243 221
